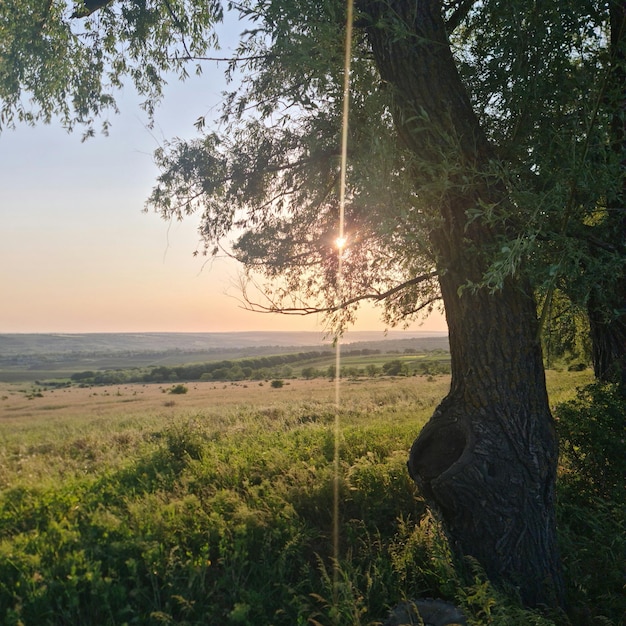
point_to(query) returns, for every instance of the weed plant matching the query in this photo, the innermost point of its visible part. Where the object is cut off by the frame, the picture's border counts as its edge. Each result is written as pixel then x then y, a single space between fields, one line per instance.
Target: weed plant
pixel 224 516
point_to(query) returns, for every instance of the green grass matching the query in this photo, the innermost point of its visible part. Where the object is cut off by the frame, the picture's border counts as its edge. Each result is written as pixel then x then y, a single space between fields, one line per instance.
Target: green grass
pixel 223 515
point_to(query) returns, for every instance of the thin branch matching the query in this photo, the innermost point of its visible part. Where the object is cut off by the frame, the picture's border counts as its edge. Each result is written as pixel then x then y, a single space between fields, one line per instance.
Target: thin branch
pixel 190 57
pixel 376 297
pixel 179 25
pixel 424 305
pixel 459 14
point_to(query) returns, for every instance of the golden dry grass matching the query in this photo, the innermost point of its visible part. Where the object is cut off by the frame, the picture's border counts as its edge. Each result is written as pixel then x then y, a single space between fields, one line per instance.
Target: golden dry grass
pixel 19 401
pixel 47 434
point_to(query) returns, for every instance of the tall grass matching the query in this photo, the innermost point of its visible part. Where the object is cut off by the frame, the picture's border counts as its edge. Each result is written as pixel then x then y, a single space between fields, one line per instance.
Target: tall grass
pixel 223 515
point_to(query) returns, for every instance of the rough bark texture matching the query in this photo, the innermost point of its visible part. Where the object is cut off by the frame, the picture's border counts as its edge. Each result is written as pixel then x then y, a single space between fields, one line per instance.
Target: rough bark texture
pixel 607 304
pixel 487 458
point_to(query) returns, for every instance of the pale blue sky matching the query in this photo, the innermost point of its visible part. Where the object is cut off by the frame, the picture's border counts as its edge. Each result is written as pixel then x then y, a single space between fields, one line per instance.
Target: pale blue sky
pixel 78 255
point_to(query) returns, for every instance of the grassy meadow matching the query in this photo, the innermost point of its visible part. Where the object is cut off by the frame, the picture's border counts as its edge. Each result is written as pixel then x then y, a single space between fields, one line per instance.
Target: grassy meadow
pixel 129 504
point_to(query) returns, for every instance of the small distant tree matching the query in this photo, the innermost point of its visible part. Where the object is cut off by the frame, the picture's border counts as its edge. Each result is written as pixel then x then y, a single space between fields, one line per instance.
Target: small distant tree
pixel 179 389
pixel 309 372
pixel 82 376
pixel 277 384
pixel 395 368
pixel 236 373
pixel 221 373
pixel 372 370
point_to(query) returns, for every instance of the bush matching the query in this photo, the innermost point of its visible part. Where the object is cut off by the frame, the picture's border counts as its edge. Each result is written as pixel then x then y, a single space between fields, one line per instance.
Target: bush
pixel 591 500
pixel 277 384
pixel 592 437
pixel 179 389
pixel 395 368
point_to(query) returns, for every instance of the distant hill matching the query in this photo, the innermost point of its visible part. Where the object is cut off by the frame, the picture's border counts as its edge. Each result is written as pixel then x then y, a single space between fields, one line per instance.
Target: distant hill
pixel 36 344
pixel 39 356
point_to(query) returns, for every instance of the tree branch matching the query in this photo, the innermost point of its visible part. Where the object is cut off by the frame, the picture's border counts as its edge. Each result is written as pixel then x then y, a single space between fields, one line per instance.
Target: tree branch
pixel 459 14
pixel 376 297
pixel 236 59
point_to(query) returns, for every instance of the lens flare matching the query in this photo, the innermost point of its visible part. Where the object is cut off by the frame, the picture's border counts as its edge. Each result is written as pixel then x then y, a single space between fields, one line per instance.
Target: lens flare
pixel 340 242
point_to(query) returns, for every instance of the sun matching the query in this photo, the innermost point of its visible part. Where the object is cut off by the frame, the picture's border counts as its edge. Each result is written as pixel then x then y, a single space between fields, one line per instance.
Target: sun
pixel 340 242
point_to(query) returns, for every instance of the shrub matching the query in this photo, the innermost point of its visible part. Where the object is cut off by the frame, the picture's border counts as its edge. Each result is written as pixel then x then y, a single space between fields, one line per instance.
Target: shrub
pixel 179 389
pixel 310 372
pixel 592 528
pixel 277 384
pixel 184 441
pixel 592 437
pixel 395 368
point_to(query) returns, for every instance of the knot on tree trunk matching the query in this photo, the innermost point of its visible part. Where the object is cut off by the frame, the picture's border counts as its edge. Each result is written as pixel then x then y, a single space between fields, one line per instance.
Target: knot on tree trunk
pixel 489 474
pixel 443 447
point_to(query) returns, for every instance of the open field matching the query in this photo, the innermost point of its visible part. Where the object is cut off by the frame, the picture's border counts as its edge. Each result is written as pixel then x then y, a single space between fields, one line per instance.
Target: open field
pixel 31 401
pixel 128 504
pixel 33 422
pixel 44 356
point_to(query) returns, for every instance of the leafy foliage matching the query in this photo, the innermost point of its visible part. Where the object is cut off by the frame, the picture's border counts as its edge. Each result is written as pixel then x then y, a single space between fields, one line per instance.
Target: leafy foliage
pixel 565 339
pixel 592 428
pixel 54 64
pixel 592 495
pixel 544 82
pixel 179 389
pixel 272 170
pixel 225 516
pixel 540 82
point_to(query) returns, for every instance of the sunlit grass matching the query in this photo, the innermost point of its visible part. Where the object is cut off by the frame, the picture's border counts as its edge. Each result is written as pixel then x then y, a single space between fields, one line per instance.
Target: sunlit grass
pixel 218 508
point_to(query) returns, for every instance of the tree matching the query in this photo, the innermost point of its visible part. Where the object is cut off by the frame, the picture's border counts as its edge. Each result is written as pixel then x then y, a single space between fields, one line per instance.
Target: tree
pixel 607 301
pixel 395 368
pixel 559 123
pixel 487 458
pixel 478 186
pixel 566 334
pixel 473 131
pixel 56 65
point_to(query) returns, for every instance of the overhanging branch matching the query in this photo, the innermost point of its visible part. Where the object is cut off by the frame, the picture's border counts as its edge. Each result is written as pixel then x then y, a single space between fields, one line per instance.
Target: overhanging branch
pixel 273 307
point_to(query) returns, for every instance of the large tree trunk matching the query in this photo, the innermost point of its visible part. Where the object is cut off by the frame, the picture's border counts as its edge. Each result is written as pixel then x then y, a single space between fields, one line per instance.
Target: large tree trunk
pixel 487 458
pixel 607 303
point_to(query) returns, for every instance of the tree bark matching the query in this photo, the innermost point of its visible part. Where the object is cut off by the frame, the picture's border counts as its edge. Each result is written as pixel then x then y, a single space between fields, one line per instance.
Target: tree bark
pixel 487 458
pixel 607 303
pixel 608 333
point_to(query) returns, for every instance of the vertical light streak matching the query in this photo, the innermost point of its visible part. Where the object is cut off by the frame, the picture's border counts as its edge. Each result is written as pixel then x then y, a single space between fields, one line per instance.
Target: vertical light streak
pixel 340 252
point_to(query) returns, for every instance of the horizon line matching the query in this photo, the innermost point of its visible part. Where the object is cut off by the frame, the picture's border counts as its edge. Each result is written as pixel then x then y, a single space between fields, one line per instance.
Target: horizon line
pixel 204 332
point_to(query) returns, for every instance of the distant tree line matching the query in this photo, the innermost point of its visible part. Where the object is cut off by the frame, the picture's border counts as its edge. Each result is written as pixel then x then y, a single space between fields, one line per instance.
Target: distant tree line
pixel 258 368
pixel 393 367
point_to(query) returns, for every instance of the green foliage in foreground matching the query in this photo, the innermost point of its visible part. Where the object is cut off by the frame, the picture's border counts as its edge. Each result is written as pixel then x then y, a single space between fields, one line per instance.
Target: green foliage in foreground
pixel 226 518
pixel 592 507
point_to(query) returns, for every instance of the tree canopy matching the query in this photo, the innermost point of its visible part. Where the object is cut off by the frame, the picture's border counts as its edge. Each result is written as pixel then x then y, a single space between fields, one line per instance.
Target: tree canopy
pixel 540 78
pixel 485 164
pixel 66 62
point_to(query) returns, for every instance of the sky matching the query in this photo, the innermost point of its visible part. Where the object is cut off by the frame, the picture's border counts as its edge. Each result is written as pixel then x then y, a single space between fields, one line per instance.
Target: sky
pixel 77 252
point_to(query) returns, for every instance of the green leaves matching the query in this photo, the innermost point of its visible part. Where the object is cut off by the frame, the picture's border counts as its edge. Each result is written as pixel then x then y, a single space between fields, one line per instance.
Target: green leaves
pixel 53 65
pixel 267 172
